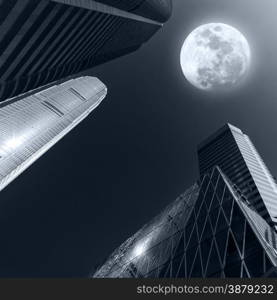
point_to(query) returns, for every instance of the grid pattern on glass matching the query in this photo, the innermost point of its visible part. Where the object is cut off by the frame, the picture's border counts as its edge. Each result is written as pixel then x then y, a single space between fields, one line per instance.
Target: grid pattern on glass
pixel 220 235
pixel 235 154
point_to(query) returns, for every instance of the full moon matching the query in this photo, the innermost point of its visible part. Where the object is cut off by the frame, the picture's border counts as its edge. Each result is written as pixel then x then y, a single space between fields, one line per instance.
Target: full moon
pixel 215 56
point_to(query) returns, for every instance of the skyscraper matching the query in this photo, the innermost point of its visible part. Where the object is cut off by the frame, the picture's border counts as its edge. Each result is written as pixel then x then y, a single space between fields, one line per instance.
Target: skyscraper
pixel 32 123
pixel 232 150
pixel 212 230
pixel 45 40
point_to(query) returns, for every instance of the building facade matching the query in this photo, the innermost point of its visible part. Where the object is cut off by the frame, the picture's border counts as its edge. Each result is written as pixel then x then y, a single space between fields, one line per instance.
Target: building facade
pixel 212 230
pixel 46 40
pixel 232 150
pixel 32 123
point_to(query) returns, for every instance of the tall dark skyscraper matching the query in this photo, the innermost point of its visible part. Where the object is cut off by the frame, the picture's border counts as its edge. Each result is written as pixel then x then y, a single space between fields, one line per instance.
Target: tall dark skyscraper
pixel 45 40
pixel 232 150
pixel 214 229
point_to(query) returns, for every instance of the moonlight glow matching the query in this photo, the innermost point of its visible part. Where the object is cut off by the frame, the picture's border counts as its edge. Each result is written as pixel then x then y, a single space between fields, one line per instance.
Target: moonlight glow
pixel 215 56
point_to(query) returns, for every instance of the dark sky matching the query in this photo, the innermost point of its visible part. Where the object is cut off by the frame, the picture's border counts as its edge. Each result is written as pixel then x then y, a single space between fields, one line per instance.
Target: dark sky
pixel 137 150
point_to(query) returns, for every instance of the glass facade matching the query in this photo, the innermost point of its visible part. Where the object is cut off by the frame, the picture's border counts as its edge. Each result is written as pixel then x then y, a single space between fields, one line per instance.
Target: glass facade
pixel 209 231
pixel 32 123
pixel 43 41
pixel 232 150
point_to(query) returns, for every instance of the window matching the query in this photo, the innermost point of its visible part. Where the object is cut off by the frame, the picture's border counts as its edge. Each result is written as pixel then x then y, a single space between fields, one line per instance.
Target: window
pixel 53 108
pixel 76 93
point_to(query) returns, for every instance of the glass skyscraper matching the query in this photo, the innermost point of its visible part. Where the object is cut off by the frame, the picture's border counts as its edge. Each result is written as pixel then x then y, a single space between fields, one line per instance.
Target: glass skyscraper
pixel 43 41
pixel 214 229
pixel 32 123
pixel 232 150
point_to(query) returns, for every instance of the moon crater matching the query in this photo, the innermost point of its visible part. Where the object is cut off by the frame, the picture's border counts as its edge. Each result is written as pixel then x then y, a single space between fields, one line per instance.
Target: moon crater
pixel 215 56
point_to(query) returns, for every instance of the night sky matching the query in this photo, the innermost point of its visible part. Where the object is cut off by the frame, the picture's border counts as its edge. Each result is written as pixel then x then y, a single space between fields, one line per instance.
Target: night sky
pixel 137 151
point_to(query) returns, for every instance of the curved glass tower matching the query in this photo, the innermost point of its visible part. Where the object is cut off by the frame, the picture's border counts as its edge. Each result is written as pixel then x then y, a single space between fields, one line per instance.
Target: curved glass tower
pixel 32 123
